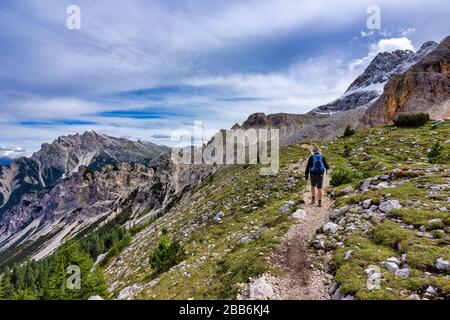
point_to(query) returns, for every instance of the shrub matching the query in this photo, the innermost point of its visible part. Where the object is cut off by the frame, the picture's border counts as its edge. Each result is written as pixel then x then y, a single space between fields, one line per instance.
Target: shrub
pixel 341 177
pixel 349 131
pixel 412 120
pixel 435 151
pixel 347 151
pixel 167 254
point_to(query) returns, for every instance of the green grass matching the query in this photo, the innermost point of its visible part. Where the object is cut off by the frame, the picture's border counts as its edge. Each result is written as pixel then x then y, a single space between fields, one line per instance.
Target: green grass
pixel 379 151
pixel 216 261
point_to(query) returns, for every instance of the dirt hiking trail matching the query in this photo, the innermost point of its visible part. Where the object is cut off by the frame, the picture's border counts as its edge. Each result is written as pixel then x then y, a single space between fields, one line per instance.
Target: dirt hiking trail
pixel 301 278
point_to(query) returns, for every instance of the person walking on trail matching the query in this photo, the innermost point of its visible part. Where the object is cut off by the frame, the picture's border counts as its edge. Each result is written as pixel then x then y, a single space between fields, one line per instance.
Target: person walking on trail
pixel 315 169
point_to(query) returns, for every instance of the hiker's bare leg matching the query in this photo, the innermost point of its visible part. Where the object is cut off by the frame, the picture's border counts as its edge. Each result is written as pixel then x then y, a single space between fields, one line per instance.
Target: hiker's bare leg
pixel 313 195
pixel 319 194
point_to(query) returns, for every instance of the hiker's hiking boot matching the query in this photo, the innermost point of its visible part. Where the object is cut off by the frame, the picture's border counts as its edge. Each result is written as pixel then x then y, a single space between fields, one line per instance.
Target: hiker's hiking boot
pixel 313 201
pixel 320 203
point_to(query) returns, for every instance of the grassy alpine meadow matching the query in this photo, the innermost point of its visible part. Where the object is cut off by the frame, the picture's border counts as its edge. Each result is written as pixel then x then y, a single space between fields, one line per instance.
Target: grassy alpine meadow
pixel 228 227
pixel 391 195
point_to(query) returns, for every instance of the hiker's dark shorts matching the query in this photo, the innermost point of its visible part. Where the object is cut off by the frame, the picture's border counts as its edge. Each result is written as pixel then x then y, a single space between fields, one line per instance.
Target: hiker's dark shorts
pixel 317 180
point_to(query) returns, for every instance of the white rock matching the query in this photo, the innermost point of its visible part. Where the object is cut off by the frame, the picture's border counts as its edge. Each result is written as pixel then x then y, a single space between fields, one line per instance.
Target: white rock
pixel 424 235
pixel 394 260
pixel 331 227
pixel 403 273
pixel 219 216
pixel 388 206
pixel 414 297
pixel 367 203
pixel 365 185
pixel 431 291
pixel 128 293
pixel 348 254
pixel 435 221
pixel 260 289
pixel 285 208
pixel 95 298
pixel 382 185
pixel 442 264
pixel 337 295
pixel 349 297
pixel 299 214
pixel 391 266
pixel 347 190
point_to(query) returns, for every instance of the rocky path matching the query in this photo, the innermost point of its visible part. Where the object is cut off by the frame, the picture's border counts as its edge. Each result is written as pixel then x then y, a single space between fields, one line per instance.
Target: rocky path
pixel 302 275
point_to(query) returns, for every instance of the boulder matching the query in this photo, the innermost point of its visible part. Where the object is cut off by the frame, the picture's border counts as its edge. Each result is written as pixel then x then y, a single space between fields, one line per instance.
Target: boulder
pixel 394 260
pixel 248 238
pixel 392 267
pixel 285 208
pixel 382 185
pixel 128 293
pixel 299 214
pixel 442 264
pixel 337 213
pixel 95 298
pixel 367 203
pixel 218 218
pixel 431 291
pixel 260 289
pixel 365 185
pixel 337 295
pixel 388 206
pixel 347 190
pixel 348 254
pixel 414 296
pixel 403 273
pixel 330 227
pixel 437 221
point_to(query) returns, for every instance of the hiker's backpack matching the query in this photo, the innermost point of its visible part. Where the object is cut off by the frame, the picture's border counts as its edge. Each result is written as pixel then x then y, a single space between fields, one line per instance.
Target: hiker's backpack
pixel 317 165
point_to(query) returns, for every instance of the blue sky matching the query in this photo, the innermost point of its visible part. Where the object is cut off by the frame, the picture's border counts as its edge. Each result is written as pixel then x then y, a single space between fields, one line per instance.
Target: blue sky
pixel 141 69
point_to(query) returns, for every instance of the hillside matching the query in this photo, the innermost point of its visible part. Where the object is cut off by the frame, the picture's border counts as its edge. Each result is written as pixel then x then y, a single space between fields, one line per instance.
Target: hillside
pixel 63 157
pixel 231 224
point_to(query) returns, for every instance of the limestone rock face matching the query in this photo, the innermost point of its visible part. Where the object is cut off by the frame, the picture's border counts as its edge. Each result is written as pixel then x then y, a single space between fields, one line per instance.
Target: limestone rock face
pixel 64 157
pixel 369 85
pixel 87 197
pixel 425 87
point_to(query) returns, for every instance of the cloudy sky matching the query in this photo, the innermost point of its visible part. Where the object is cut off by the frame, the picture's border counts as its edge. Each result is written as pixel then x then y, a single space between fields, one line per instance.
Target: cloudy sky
pixel 143 68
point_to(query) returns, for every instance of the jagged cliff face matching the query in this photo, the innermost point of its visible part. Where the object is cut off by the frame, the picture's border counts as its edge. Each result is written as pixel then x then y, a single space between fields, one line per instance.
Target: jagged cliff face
pixel 310 127
pixel 87 198
pixel 369 85
pixel 64 157
pixel 425 87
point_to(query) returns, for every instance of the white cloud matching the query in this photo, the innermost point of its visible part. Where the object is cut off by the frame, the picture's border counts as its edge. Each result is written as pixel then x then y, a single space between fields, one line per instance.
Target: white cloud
pixel 383 45
pixel 389 45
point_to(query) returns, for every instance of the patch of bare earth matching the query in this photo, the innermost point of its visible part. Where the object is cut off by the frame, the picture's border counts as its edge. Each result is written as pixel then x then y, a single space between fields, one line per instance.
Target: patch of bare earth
pixel 303 270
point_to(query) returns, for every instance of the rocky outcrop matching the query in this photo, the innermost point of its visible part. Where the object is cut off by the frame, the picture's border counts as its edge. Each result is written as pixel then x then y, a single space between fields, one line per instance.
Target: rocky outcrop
pixel 425 87
pixel 88 198
pixel 300 127
pixel 64 157
pixel 369 85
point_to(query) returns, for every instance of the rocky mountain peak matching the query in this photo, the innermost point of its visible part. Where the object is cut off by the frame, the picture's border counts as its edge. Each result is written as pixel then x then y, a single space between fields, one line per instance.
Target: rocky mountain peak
pixel 64 156
pixel 423 87
pixel 369 85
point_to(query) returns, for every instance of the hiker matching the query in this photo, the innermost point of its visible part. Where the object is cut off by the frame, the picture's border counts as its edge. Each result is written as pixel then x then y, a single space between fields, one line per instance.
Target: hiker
pixel 315 169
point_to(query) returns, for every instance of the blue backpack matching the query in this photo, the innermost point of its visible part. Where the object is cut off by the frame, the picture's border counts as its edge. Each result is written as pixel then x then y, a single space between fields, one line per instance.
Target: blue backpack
pixel 317 166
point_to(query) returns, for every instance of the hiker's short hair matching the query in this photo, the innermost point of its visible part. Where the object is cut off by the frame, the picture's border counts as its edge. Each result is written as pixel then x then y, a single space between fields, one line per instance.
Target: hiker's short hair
pixel 316 149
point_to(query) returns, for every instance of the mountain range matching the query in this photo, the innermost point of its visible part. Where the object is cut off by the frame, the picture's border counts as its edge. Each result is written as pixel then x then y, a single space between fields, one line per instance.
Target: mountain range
pixel 80 182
